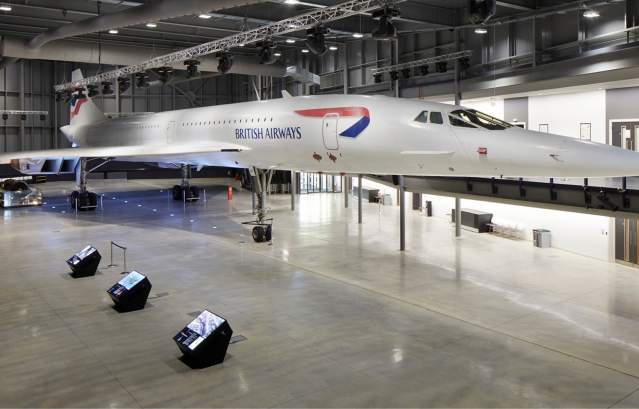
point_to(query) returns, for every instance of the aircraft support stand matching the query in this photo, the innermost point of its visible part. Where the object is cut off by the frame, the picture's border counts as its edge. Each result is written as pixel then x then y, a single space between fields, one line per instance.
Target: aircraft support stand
pixel 458 97
pixel 82 199
pixel 457 217
pixel 402 215
pixel 185 191
pixel 359 199
pixel 346 190
pixel 293 188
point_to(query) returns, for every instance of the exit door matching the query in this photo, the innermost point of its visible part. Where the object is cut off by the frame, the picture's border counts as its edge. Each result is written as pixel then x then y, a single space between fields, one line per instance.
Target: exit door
pixel 170 132
pixel 329 131
pixel 624 134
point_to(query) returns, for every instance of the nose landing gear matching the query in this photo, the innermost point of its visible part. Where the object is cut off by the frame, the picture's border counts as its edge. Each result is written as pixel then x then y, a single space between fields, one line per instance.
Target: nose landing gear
pixel 82 199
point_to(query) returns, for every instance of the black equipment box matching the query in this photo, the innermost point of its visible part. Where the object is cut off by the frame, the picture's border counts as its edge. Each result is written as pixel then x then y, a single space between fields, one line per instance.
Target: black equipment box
pixel 474 219
pixel 131 292
pixel 205 340
pixel 85 262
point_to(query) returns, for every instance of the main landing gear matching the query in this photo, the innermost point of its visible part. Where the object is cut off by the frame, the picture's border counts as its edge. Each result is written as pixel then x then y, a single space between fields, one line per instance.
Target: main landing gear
pixel 186 191
pixel 81 199
pixel 262 226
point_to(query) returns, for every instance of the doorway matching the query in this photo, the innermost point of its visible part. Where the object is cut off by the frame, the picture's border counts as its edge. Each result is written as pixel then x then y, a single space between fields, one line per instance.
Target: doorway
pixel 329 131
pixel 624 133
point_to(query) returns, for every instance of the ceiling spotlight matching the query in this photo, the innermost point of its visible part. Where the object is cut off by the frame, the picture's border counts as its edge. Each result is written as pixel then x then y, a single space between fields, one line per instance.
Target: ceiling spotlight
pixel 5 7
pixel 23 117
pixel 141 80
pixel 423 70
pixel 386 29
pixel 315 40
pixel 241 45
pixel 5 116
pixel 278 54
pixel 113 31
pixel 590 13
pixel 224 62
pixel 164 73
pixel 191 68
pixel 43 117
pixel 304 50
pixel 406 73
pixel 464 63
pixel 394 75
pixel 107 88
pixel 266 53
pixel 205 16
pixel 481 30
pixel 378 78
pixel 123 84
pixel 290 41
pixel 93 90
pixel 441 66
pixel 333 48
pixel 482 10
pixel 358 35
pixel 151 25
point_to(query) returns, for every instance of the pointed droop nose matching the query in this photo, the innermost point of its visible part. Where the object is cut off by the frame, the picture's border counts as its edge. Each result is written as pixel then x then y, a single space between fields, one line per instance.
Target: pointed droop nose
pixel 590 159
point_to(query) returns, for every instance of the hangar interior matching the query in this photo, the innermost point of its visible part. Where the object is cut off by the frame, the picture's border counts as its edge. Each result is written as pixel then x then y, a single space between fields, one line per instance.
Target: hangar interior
pixel 368 294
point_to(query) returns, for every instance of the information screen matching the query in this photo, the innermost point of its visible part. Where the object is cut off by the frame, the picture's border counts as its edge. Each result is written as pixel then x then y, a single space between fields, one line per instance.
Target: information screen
pixel 131 279
pixel 205 323
pixel 81 255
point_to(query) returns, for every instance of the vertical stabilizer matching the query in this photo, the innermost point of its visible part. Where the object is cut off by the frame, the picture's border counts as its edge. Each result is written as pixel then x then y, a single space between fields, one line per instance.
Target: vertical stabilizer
pixel 82 109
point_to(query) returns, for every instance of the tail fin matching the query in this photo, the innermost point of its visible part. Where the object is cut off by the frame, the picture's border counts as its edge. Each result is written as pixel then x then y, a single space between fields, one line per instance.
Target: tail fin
pixel 82 109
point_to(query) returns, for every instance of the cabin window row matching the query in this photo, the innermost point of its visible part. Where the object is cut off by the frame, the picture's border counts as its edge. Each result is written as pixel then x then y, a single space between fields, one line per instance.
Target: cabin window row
pixel 228 122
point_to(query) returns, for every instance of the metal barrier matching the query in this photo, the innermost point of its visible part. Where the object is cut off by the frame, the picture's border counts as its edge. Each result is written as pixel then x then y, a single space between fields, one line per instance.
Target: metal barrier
pixel 114 244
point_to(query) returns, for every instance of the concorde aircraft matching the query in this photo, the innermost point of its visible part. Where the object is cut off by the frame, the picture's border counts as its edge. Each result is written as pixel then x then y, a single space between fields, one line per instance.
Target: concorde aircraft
pixel 332 134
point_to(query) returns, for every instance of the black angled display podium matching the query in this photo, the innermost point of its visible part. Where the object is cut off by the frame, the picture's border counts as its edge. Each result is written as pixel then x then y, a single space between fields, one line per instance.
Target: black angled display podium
pixel 205 340
pixel 85 262
pixel 130 293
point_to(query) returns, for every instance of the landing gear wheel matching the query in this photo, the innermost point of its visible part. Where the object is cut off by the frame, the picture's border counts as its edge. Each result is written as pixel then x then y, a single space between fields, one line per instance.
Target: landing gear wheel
pixel 268 235
pixel 177 192
pixel 84 201
pixel 259 234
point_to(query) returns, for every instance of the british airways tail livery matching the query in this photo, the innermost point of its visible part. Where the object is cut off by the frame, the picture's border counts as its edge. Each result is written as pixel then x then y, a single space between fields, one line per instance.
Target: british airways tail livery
pixel 334 134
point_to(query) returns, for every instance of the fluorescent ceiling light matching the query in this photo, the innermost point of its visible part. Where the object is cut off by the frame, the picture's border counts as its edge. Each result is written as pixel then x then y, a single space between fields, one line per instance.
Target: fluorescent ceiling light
pixel 332 48
pixel 304 50
pixel 292 25
pixel 481 30
pixel 358 35
pixel 205 16
pixel 291 1
pixel 278 54
pixel 151 25
pixel 290 41
pixel 591 13
pixel 5 7
pixel 113 31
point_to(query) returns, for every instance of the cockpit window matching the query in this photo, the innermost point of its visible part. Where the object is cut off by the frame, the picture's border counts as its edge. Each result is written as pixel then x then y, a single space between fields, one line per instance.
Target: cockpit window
pixel 436 118
pixel 458 121
pixel 480 119
pixel 422 117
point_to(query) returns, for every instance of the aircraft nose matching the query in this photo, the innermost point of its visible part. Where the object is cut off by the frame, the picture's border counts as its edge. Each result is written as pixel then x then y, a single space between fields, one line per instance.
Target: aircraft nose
pixel 590 159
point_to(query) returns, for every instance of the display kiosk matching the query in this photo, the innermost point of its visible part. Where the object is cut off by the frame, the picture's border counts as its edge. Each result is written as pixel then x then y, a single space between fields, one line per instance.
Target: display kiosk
pixel 205 340
pixel 85 262
pixel 130 293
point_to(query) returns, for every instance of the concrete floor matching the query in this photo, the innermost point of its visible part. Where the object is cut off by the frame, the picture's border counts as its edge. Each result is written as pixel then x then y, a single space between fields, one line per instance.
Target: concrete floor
pixel 333 313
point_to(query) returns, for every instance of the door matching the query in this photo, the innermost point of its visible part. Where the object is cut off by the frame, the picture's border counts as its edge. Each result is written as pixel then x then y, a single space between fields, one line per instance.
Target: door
pixel 329 131
pixel 624 134
pixel 170 132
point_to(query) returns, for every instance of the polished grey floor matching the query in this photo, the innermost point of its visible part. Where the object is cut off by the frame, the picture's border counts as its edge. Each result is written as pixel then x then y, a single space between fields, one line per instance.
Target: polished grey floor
pixel 333 314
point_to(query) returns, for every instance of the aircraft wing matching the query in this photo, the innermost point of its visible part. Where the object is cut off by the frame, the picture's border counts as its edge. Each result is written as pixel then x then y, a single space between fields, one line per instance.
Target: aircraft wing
pixel 122 151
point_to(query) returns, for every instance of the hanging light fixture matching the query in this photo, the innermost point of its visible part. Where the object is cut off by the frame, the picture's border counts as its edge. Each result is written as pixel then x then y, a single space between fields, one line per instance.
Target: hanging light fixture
pixel 386 29
pixel 315 39
pixel 224 62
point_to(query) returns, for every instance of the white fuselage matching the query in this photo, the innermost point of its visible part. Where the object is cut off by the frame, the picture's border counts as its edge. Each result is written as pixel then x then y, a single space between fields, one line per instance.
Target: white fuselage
pixel 331 134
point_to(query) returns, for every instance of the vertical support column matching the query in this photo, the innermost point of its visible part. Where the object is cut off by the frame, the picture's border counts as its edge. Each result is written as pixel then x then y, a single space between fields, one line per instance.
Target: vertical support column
pixel 81 175
pixel 457 102
pixel 293 188
pixel 402 214
pixel 359 198
pixel 21 141
pixel 347 189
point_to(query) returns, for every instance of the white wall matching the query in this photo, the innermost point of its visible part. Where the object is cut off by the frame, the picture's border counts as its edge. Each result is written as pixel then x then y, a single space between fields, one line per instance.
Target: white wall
pixel 564 112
